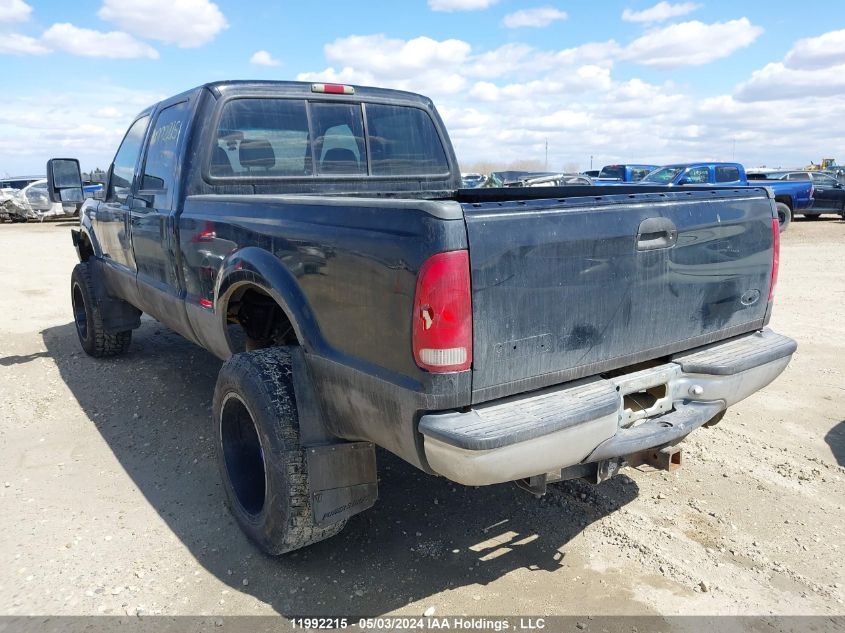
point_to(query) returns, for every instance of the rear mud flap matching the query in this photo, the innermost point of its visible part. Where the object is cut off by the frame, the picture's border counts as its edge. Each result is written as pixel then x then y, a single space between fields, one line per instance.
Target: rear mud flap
pixel 342 476
pixel 342 480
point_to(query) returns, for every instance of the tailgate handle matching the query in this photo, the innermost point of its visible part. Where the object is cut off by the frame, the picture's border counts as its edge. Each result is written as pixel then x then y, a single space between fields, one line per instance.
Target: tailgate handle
pixel 656 233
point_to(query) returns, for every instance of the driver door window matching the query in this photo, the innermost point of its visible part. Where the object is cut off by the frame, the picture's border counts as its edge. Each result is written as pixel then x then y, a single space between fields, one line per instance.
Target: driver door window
pixel 126 160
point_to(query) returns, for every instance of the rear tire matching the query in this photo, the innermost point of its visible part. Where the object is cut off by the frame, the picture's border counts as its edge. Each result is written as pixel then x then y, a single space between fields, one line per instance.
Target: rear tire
pixel 89 321
pixel 259 455
pixel 784 215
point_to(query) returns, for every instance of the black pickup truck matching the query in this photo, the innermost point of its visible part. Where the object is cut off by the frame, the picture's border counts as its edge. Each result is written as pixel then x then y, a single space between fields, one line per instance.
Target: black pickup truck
pixel 314 236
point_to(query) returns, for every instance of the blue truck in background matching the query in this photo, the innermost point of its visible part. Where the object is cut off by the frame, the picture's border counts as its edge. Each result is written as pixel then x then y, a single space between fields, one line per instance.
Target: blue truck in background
pixel 611 174
pixel 790 196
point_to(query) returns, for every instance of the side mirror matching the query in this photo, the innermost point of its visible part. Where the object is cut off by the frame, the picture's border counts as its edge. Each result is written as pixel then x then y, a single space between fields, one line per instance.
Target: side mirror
pixel 64 180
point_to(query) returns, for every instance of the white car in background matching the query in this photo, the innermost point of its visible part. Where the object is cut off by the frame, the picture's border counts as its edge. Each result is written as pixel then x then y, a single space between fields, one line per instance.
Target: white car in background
pixel 32 202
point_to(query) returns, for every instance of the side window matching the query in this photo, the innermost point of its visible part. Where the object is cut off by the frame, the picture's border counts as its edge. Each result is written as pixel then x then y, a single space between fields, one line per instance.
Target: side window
pixel 824 181
pixel 404 142
pixel 698 175
pixel 262 137
pixel 727 174
pixel 638 173
pixel 123 168
pixel 339 138
pixel 162 152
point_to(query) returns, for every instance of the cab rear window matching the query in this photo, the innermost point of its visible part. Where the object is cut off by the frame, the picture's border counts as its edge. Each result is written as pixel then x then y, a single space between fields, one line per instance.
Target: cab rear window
pixel 284 138
pixel 613 171
pixel 404 142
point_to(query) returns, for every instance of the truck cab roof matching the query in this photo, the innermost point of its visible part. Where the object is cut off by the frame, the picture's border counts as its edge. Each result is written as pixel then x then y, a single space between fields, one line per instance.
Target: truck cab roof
pixel 307 88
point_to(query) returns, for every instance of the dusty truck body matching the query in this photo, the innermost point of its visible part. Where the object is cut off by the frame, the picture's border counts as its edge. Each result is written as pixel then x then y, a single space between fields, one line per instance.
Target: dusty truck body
pixel 314 237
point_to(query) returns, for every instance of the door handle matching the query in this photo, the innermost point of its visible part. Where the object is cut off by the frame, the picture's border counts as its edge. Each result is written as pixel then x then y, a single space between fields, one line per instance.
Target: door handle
pixel 654 233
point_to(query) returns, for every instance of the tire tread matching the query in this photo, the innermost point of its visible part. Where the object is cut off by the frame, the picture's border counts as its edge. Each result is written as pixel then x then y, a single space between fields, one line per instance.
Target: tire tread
pixel 102 344
pixel 270 369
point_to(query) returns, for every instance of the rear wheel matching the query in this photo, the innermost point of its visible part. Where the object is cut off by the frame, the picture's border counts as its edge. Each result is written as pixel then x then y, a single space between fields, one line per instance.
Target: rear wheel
pixel 259 455
pixel 784 215
pixel 89 321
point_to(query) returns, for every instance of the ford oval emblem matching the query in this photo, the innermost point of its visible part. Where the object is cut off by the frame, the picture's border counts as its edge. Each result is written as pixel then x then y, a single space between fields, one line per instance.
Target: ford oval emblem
pixel 750 298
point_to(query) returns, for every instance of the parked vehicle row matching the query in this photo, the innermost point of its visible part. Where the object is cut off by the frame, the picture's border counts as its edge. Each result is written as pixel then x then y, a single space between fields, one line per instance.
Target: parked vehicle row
pixel 829 192
pixel 528 334
pixel 535 179
pixel 790 196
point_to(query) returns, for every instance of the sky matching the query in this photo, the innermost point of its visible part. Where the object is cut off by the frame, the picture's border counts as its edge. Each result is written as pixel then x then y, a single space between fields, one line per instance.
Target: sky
pixel 762 83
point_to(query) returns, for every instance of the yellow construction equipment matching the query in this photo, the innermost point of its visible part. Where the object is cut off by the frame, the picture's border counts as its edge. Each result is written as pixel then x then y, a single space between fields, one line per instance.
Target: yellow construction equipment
pixel 827 163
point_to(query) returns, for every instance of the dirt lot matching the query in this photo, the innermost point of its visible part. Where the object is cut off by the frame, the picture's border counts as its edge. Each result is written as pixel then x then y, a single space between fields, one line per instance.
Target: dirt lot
pixel 111 502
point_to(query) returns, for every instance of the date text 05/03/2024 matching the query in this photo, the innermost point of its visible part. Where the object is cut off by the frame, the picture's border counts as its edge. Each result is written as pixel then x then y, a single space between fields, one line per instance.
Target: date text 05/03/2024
pixel 422 623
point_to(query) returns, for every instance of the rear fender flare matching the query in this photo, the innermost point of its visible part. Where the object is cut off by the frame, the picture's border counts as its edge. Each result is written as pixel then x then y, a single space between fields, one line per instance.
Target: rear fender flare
pixel 253 266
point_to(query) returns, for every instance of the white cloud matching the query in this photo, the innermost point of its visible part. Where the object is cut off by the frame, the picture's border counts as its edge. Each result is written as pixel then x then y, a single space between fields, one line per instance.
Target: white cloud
pixel 537 18
pixel 777 82
pixel 814 53
pixel 186 23
pixel 583 79
pixel 396 58
pixel 813 67
pixel 16 44
pixel 263 58
pixel 89 43
pixel 524 60
pixel 38 126
pixel 660 12
pixel 691 43
pixel 460 5
pixel 109 112
pixel 14 11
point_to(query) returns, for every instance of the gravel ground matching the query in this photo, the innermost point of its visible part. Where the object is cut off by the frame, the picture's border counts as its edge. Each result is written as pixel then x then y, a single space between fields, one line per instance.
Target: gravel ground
pixel 111 502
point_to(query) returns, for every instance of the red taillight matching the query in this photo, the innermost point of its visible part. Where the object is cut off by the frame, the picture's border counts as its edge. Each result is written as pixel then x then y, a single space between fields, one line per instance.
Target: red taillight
pixel 775 256
pixel 442 326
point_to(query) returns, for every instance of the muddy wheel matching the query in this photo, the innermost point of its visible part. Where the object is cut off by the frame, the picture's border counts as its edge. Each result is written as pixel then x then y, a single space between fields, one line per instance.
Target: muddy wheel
pixel 259 455
pixel 89 322
pixel 784 215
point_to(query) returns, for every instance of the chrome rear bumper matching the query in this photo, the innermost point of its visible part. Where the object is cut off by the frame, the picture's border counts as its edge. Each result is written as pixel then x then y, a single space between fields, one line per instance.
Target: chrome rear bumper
pixel 601 418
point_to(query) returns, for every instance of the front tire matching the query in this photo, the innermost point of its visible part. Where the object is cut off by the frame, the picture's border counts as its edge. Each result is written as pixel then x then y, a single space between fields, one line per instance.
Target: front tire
pixel 89 321
pixel 784 215
pixel 259 455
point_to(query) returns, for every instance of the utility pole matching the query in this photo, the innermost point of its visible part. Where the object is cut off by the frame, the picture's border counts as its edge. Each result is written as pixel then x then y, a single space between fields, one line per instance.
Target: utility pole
pixel 591 162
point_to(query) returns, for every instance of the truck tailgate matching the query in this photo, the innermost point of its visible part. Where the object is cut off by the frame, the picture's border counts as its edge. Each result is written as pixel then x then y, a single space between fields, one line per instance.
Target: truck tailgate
pixel 570 287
